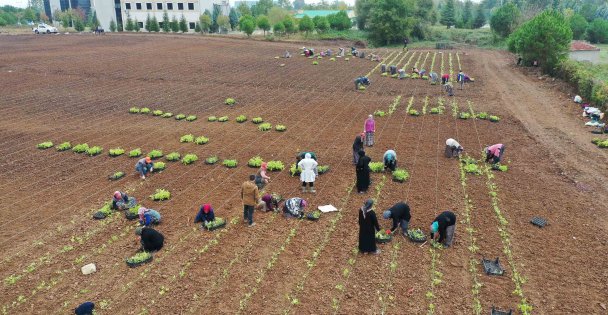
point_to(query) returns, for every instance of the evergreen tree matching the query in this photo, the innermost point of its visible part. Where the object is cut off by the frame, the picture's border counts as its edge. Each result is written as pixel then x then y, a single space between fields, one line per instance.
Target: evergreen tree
pixel 391 21
pixel 597 32
pixel 243 9
pixel 154 25
pixel 166 22
pixel 448 15
pixel 234 18
pixel 205 22
pixel 467 14
pixel 174 25
pixel 263 23
pixel 321 23
pixel 223 23
pixel 306 25
pixel 148 24
pixel 112 26
pixel 290 25
pixel 363 8
pixel 505 20
pixel 183 24
pixel 480 17
pixel 579 25
pixel 136 26
pixel 129 27
pixel 278 28
pixel 197 28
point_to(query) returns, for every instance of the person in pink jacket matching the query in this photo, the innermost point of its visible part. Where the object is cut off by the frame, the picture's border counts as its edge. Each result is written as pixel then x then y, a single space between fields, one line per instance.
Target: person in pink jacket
pixel 369 128
pixel 494 153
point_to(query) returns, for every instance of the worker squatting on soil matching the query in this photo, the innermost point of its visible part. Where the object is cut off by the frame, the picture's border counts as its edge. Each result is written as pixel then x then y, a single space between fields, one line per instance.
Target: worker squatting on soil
pixel 494 153
pixel 261 178
pixel 144 166
pixel 434 77
pixel 368 225
pixel 390 160
pixel 357 146
pixel 362 170
pixel 444 227
pixel 119 200
pixel 268 203
pixel 86 308
pixel 250 195
pixel 452 148
pixel 401 74
pixel 400 213
pixel 205 214
pixel 360 81
pixel 151 240
pixel 286 54
pixel 308 173
pixel 148 217
pixel 369 127
pixel 294 208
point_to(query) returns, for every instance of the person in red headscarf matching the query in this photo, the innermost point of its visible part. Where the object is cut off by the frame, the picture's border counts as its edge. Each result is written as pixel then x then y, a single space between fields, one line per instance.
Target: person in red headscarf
pixel 261 178
pixel 119 200
pixel 205 214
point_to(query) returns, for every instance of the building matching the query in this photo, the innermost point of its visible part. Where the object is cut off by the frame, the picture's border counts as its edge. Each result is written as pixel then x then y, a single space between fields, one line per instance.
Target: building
pixel 583 51
pixel 120 10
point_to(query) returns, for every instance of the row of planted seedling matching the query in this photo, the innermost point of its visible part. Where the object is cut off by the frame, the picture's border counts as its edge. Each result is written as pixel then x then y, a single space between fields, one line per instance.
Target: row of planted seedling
pixel 262 126
pixel 160 113
pixel 332 59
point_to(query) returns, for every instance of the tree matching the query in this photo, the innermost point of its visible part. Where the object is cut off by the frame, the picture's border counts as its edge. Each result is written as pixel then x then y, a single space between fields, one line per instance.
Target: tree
pixel 166 22
pixel 79 25
pixel 243 9
pixel 597 32
pixel 505 20
pixel 261 7
pixel 339 21
pixel 290 25
pixel 174 25
pixel 278 28
pixel 223 22
pixel 136 26
pixel 217 11
pixel 306 25
pixel 148 23
pixel 234 19
pixel 129 27
pixel 263 23
pixel 467 14
pixel 298 4
pixel 363 8
pixel 92 20
pixel 545 38
pixel 578 25
pixel 391 21
pixel 29 14
pixel 112 26
pixel 154 27
pixel 284 4
pixel 247 24
pixel 425 9
pixel 197 27
pixel 183 24
pixel 205 22
pixel 480 17
pixel 321 23
pixel 448 14
pixel 276 15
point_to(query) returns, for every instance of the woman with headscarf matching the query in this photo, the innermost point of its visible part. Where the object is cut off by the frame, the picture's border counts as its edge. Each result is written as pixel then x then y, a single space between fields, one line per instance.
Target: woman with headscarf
pixel 119 199
pixel 261 179
pixel 308 173
pixel 151 240
pixel 363 172
pixel 205 214
pixel 357 146
pixel 148 217
pixel 369 128
pixel 368 225
pixel 294 207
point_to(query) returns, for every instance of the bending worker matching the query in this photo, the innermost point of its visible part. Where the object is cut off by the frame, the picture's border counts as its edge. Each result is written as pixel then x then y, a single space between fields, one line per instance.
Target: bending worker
pixel 452 148
pixel 443 227
pixel 400 213
pixel 494 153
pixel 390 160
pixel 361 81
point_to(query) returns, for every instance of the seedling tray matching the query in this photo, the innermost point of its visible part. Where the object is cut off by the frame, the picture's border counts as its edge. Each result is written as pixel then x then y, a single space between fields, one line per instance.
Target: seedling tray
pixel 499 312
pixel 215 227
pixel 133 265
pixel 492 267
pixel 416 240
pixel 112 177
pixel 538 221
pixel 130 204
pixel 99 215
pixel 310 217
pixel 131 216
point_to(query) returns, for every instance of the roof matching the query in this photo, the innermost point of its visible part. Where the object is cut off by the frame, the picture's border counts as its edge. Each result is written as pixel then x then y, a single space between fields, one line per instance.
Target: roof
pixel 579 45
pixel 313 13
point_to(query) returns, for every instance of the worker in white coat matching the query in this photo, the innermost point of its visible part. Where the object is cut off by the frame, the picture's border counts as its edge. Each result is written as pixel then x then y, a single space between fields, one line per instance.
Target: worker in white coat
pixel 452 148
pixel 307 176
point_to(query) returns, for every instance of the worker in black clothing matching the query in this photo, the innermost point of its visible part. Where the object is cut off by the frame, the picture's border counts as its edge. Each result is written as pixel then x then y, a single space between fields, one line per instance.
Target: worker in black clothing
pixel 151 239
pixel 400 213
pixel 445 224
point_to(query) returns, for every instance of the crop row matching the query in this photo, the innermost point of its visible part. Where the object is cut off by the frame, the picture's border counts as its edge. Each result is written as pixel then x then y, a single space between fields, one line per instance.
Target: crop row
pixel 378 65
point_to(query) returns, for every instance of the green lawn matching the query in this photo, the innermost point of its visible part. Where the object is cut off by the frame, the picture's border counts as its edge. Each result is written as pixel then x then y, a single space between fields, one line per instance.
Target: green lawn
pixel 603 53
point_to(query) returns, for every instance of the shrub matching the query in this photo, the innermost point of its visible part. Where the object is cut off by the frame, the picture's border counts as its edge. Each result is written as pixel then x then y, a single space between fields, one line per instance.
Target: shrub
pixel 134 110
pixel 157 112
pixel 482 115
pixel 92 151
pixel 255 161
pixel 241 119
pixel 413 112
pixel 223 119
pixel 161 194
pixel 280 128
pixel 201 140
pixel 191 118
pixel 155 154
pixel 135 153
pixel 44 145
pixel 257 120
pixel 494 118
pixel 180 116
pixel 379 113
pixel 464 115
pixel 159 166
pixel 64 146
pixel 230 101
pixel 212 118
pixel 230 163
pixel 376 167
pixel 144 110
pixel 80 148
pixel 116 152
pixel 189 158
pixel 187 138
pixel 274 166
pixel 173 156
pixel 211 160
pixel 400 175
pixel 264 127
pixel 167 115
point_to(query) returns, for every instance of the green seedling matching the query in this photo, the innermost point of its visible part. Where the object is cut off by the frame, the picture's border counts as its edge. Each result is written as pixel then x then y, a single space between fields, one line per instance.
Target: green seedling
pixel 92 151
pixel 139 258
pixel 264 127
pixel 180 116
pixel 191 118
pixel 400 175
pixel 64 146
pixel 379 113
pixel 211 118
pixel 189 159
pixel 223 119
pixel 167 115
pixel 45 145
pixel 376 167
pixel 280 128
pixel 230 163
pixel 173 156
pixel 187 138
pixel 275 166
pixel 157 112
pixel 201 140
pixel 155 154
pixel 230 101
pixel 134 110
pixel 257 120
pixel 159 166
pixel 494 118
pixel 241 119
pixel 116 152
pixel 255 161
pixel 211 160
pixel 135 153
pixel 161 194
pixel 80 148
pixel 144 110
pixel 322 169
pixel 413 112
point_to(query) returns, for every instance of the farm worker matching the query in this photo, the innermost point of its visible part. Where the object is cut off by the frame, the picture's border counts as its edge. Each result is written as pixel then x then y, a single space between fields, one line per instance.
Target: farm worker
pixel 415 70
pixel 578 99
pixel 287 54
pixel 390 160
pixel 422 72
pixel 375 57
pixel 594 113
pixel 434 77
pixel 148 216
pixel 328 52
pixel 85 308
pixel 205 214
pixel 294 207
pixel 144 166
pixel 401 74
pixel 449 88
pixel 383 68
pixel 361 81
pixel 341 52
pixel 308 174
pixel 494 153
pixel 353 51
pixel 400 213
pixel 444 225
pixel 362 171
pixel 261 179
pixel 468 79
pixel 250 195
pixel 452 148
pixel 445 78
pixel 369 128
pixel 267 204
pixel 393 70
pixel 405 41
pixel 119 199
pixel 368 225
pixel 151 240
pixel 357 146
pixel 460 78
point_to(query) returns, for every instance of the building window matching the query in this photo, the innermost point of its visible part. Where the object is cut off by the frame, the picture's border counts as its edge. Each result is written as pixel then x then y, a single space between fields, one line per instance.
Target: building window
pixel 159 6
pixel 180 6
pixel 128 6
pixel 191 6
pixel 169 6
pixel 192 25
pixel 148 6
pixel 141 24
pixel 138 6
pixel 160 25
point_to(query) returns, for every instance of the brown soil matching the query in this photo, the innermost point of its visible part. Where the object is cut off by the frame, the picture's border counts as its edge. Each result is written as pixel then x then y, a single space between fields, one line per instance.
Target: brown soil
pixel 79 88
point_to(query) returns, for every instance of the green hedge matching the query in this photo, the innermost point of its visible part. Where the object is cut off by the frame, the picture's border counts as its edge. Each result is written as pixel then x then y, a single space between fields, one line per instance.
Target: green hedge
pixel 588 83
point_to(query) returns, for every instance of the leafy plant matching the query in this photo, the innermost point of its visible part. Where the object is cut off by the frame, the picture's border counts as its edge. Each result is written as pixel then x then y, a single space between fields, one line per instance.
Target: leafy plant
pixel 223 119
pixel 322 169
pixel 201 140
pixel 257 120
pixel 106 209
pixel 295 170
pixel 361 88
pixel 211 160
pixel 64 146
pixel 117 175
pixel 173 156
pixel 180 116
pixel 416 234
pixel 230 101
pixel 135 153
pixel 116 152
pixel 144 110
pixel 160 194
pixel 376 167
pixel 255 161
pixel 379 113
pixel 241 119
pixel 315 63
pixel 275 166
pixel 159 166
pixel 482 115
pixel 157 112
pixel 80 148
pixel 382 235
pixel 187 138
pixel 217 222
pixel 191 118
pixel 211 118
pixel 435 110
pixel 155 154
pixel 280 128
pixel 230 163
pixel 134 110
pixel 45 145
pixel 189 158
pixel 315 214
pixel 415 76
pixel 494 118
pixel 401 175
pixel 464 115
pixel 600 143
pixel 472 169
pixel 92 151
pixel 264 127
pixel 413 112
pixel 139 258
pixel 167 115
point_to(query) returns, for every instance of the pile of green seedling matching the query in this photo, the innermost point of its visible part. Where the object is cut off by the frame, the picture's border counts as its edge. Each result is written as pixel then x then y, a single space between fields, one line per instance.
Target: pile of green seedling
pixel 464 115
pixel 376 167
pixel 167 115
pixel 134 110
pixel 217 222
pixel 400 175
pixel 116 152
pixel 187 138
pixel 264 127
pixel 241 118
pixel 155 154
pixel 255 161
pixel 161 194
pixel 45 145
pixel 211 160
pixel 315 63
pixel 257 120
pixel 180 116
pixel 64 146
pixel 230 163
pixel 173 156
pixel 230 101
pixel 93 151
pixel 157 112
pixel 189 158
pixel 315 214
pixel 106 209
pixel 482 115
pixel 80 148
pixel 212 118
pixel 275 166
pixel 201 140
pixel 322 169
pixel 139 258
pixel 295 170
pixel 393 107
pixel 494 118
pixel 382 235
pixel 470 165
pixel 135 153
pixel 117 175
pixel 280 128
pixel 159 166
pixel 223 119
pixel 144 111
pixel 191 118
pixel 379 113
pixel 413 112
pixel 600 143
